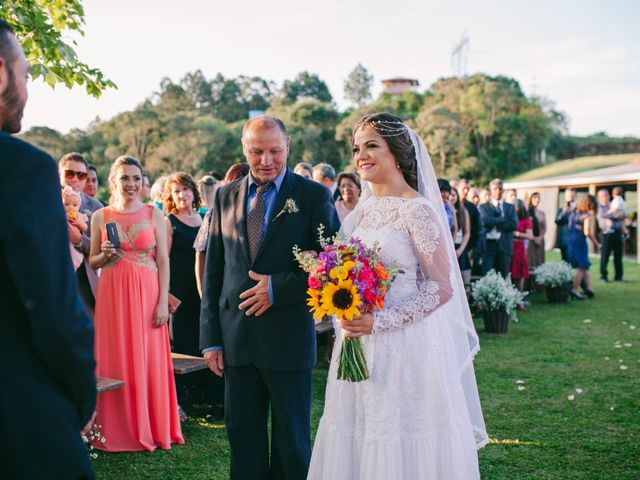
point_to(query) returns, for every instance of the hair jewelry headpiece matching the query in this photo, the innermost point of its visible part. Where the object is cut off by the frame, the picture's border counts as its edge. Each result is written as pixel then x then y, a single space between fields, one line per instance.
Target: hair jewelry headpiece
pixel 388 128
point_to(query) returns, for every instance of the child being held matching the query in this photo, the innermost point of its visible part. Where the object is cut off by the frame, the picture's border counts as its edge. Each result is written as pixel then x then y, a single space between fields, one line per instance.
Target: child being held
pixel 616 210
pixel 71 201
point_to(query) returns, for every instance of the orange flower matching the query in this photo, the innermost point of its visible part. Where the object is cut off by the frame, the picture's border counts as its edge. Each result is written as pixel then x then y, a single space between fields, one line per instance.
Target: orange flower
pixel 379 302
pixel 383 273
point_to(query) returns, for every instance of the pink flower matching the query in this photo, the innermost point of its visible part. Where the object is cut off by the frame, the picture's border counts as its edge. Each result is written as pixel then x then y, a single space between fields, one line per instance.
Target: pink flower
pixel 314 283
pixel 367 277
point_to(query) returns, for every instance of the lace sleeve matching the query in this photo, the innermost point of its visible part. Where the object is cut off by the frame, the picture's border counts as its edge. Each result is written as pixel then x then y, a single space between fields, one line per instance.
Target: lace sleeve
pixel 434 287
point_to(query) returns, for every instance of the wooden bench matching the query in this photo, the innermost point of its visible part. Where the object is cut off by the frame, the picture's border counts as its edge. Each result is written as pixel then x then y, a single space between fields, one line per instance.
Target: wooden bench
pixel 106 384
pixel 324 326
pixel 183 364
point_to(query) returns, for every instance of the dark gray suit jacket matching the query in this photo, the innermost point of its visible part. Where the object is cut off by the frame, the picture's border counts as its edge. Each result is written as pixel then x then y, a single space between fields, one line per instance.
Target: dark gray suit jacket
pixel 283 338
pixel 506 223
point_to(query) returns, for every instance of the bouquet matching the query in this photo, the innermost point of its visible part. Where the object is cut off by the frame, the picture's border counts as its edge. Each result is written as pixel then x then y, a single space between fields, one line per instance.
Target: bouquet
pixel 346 279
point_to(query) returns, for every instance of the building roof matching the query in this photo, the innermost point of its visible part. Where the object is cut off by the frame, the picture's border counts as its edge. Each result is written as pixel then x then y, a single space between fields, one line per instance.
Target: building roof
pixel 413 81
pixel 619 173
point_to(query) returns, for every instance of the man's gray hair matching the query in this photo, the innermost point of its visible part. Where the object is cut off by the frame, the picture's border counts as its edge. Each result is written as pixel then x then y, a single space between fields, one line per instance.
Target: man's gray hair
pixel 326 171
pixel 496 181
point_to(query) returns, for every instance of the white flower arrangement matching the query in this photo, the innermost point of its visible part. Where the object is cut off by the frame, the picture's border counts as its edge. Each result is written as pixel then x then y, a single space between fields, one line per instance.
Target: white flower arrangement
pixel 290 206
pixel 493 292
pixel 553 274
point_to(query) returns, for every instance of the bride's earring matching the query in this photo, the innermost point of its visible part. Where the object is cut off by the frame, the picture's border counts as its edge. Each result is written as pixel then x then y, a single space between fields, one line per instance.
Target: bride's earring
pixel 397 165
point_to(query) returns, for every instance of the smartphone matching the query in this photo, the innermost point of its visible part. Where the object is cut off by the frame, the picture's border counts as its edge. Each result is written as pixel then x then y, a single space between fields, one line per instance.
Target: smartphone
pixel 112 234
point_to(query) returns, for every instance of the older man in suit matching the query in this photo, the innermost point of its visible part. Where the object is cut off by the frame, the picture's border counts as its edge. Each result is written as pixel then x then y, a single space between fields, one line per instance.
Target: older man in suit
pixel 255 325
pixel 499 221
pixel 73 170
pixel 47 382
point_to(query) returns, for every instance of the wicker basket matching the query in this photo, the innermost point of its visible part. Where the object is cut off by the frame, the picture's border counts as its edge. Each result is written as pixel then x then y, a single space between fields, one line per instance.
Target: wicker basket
pixel 496 321
pixel 558 294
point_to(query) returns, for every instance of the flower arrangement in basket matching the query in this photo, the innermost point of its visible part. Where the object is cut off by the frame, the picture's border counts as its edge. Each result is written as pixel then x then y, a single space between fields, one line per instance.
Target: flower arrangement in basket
pixel 346 279
pixel 556 278
pixel 557 274
pixel 495 294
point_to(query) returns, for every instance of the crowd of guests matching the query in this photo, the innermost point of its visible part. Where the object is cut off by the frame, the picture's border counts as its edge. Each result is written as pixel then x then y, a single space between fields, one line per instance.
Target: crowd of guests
pixel 600 220
pixel 164 227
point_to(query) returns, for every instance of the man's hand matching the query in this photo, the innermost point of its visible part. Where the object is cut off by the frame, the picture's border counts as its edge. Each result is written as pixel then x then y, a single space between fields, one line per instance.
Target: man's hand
pixel 256 299
pixel 215 360
pixel 89 424
pixel 358 327
pixel 74 233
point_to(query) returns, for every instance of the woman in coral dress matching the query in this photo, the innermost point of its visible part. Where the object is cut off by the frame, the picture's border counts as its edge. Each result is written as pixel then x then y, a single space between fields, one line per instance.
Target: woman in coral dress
pixel 131 337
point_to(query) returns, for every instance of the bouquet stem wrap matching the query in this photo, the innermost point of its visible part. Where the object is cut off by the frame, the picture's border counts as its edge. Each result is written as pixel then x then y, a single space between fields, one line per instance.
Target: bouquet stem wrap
pixel 352 365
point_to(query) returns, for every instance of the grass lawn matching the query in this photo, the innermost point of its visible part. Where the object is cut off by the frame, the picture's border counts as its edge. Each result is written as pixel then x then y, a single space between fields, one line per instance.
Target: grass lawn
pixel 537 433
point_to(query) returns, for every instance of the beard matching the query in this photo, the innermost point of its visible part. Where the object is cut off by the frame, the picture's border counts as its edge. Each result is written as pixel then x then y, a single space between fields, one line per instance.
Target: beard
pixel 11 107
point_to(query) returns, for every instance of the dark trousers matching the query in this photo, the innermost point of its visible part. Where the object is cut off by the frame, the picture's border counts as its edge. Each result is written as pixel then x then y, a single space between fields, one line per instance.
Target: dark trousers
pixel 492 258
pixel 84 288
pixel 611 242
pixel 564 254
pixel 249 393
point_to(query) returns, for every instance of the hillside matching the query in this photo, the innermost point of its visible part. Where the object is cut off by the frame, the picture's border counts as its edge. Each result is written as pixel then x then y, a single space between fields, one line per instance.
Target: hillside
pixel 575 165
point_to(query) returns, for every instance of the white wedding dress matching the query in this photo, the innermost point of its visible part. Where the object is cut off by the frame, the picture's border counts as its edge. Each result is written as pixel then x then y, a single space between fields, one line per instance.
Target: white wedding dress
pixel 410 419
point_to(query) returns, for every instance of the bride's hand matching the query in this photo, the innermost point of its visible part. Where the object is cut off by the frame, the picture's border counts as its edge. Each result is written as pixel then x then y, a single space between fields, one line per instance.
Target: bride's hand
pixel 358 327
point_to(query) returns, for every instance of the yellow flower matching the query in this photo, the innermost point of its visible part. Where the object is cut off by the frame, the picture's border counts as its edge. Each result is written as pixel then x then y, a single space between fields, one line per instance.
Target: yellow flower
pixel 314 302
pixel 342 272
pixel 342 299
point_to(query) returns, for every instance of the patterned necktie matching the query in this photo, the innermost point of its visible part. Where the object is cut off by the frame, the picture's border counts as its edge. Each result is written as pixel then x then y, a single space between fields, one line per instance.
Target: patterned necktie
pixel 255 219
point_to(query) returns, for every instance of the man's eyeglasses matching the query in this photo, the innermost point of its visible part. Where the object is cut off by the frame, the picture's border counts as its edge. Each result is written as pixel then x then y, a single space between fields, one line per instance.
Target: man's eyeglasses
pixel 69 174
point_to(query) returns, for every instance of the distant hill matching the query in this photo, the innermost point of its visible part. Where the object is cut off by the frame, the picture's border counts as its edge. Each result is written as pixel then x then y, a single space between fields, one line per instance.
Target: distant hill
pixel 575 165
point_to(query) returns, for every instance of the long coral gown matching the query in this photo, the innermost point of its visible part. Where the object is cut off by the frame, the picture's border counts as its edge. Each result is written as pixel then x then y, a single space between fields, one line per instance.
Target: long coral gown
pixel 144 413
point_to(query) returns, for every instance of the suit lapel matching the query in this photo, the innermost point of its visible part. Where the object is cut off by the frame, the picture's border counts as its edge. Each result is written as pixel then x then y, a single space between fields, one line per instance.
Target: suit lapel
pixel 286 191
pixel 240 209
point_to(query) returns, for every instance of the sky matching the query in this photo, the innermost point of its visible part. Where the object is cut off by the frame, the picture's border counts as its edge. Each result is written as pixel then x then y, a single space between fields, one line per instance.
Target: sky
pixel 582 55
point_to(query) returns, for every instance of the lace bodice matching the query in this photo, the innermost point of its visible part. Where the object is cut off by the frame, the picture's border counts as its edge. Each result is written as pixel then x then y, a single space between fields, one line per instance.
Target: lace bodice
pixel 409 234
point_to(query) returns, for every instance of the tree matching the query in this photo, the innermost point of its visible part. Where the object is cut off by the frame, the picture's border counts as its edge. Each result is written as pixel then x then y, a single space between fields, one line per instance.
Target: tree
pixel 40 26
pixel 357 86
pixel 311 125
pixel 305 85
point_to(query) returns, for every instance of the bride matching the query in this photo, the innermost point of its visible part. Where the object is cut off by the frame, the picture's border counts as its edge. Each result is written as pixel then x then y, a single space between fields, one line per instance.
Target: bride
pixel 418 416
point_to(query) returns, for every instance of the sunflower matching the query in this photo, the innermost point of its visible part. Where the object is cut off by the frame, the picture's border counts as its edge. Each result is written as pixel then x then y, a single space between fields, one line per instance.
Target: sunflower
pixel 342 299
pixel 314 302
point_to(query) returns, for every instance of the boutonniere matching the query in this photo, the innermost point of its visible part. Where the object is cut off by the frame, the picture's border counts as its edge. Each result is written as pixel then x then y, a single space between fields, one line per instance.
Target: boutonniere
pixel 290 206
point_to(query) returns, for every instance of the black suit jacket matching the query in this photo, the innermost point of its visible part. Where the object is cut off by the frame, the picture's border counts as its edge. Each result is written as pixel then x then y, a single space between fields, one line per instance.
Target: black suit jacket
pixel 47 381
pixel 474 220
pixel 490 217
pixel 283 338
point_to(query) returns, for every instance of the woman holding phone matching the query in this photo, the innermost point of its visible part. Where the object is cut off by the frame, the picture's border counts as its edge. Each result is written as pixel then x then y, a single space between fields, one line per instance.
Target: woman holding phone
pixel 131 337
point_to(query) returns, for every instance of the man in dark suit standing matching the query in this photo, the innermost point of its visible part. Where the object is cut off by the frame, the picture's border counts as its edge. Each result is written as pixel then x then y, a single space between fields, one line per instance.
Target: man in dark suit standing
pixel 73 170
pixel 47 382
pixel 562 222
pixel 499 221
pixel 255 325
pixel 474 218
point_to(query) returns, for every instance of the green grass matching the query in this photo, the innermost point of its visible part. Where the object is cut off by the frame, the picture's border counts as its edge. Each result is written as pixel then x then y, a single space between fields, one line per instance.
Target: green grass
pixel 537 433
pixel 575 165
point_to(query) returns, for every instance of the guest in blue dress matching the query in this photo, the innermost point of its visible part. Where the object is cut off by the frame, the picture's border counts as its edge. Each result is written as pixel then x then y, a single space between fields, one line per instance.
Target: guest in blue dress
pixel 581 227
